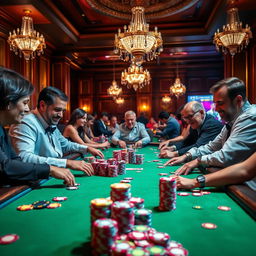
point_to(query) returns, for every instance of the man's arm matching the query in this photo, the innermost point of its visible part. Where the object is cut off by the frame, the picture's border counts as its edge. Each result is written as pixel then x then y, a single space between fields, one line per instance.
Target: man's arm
pixel 116 137
pixel 24 140
pixel 234 174
pixel 145 139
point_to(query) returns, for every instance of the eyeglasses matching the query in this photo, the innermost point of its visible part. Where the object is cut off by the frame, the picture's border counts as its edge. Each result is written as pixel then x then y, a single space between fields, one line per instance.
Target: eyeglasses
pixel 189 117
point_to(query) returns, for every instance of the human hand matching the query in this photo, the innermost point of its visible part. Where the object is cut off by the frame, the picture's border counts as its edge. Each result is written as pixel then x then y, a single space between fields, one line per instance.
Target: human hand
pixel 185 183
pixel 176 160
pixel 95 152
pixel 138 144
pixel 163 145
pixel 186 168
pixel 80 165
pixel 105 144
pixel 122 144
pixel 63 174
pixel 167 154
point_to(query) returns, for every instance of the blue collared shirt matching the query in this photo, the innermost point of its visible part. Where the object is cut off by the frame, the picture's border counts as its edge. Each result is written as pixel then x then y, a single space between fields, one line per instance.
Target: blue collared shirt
pixel 138 132
pixel 34 145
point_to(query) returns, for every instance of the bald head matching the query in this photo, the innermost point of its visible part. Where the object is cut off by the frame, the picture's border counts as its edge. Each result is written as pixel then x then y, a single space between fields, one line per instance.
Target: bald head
pixel 193 113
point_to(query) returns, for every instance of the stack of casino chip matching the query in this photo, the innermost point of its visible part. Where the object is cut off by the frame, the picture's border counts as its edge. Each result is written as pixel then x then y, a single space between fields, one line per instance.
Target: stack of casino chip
pixel 131 156
pixel 138 251
pixel 157 250
pixel 112 170
pixel 139 158
pixel 120 192
pixel 96 166
pixel 100 208
pixel 112 161
pixel 137 201
pixel 104 232
pixel 124 155
pixel 167 194
pixel 117 155
pixel 143 217
pixel 121 248
pixel 103 169
pixel 121 167
pixel 122 212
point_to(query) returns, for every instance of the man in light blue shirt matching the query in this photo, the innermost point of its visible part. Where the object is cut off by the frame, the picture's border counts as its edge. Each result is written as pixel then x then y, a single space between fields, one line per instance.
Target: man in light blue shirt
pixel 236 141
pixel 131 132
pixel 37 139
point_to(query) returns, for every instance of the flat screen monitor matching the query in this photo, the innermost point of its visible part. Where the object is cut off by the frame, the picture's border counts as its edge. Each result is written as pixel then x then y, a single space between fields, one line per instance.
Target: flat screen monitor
pixel 206 100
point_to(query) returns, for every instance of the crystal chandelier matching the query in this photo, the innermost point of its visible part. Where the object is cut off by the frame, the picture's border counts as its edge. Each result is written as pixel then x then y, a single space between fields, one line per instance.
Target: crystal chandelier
pixel 119 100
pixel 177 89
pixel 166 99
pixel 137 43
pixel 234 37
pixel 26 40
pixel 114 90
pixel 135 77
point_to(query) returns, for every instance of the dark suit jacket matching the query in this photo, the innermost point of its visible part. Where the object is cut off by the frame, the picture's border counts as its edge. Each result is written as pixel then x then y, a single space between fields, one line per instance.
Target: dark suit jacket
pixel 99 129
pixel 196 138
pixel 11 166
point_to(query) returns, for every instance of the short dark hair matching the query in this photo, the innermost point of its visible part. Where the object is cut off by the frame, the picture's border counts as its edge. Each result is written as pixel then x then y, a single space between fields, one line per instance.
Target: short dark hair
pixel 163 115
pixel 234 85
pixel 49 94
pixel 13 86
pixel 104 114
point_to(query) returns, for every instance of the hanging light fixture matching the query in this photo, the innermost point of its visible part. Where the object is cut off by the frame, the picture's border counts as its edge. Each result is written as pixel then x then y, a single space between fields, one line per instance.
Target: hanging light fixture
pixel 177 89
pixel 166 99
pixel 137 43
pixel 234 37
pixel 26 40
pixel 114 90
pixel 119 100
pixel 135 77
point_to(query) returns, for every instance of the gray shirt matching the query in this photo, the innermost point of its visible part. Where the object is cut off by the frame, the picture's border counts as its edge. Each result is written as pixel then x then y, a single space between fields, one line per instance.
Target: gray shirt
pixel 138 132
pixel 34 145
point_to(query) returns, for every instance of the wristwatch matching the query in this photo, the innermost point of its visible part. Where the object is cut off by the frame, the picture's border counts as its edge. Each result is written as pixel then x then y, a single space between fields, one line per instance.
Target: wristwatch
pixel 201 180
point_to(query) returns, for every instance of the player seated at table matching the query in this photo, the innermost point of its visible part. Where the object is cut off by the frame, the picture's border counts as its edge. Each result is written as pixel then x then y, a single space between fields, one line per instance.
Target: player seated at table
pixel 113 125
pixel 236 141
pixel 37 139
pixel 88 129
pixel 234 174
pixel 100 126
pixel 172 128
pixel 74 131
pixel 152 124
pixel 15 93
pixel 131 132
pixel 203 128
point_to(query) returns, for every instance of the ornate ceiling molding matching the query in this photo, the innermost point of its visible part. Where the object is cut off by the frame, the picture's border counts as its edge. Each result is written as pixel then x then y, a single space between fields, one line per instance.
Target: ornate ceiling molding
pixel 154 9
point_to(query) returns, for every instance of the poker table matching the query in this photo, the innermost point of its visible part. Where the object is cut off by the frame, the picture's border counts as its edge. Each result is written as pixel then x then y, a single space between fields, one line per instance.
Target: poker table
pixel 66 230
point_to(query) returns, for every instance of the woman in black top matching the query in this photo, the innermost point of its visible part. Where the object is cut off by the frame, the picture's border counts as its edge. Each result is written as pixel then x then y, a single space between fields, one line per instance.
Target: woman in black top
pixel 15 92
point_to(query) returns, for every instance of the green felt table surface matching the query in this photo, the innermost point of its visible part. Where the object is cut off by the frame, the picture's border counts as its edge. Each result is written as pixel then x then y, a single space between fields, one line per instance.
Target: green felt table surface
pixel 66 230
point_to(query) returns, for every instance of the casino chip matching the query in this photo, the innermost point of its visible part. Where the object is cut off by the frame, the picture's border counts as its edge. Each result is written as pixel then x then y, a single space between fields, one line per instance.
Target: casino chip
pixel 178 251
pixel 208 225
pixel 125 181
pixel 40 204
pixel 197 207
pixel 224 208
pixel 197 194
pixel 59 198
pixel 8 239
pixel 25 207
pixel 183 194
pixel 72 187
pixel 53 205
pixel 160 166
pixel 163 174
pixel 77 184
pixel 128 178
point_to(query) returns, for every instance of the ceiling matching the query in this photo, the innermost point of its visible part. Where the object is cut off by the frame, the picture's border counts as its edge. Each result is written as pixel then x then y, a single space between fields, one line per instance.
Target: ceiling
pixel 83 30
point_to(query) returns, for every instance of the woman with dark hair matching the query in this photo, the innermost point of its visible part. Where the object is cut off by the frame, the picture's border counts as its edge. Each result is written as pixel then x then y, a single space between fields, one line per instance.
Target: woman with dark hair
pixel 15 92
pixel 75 130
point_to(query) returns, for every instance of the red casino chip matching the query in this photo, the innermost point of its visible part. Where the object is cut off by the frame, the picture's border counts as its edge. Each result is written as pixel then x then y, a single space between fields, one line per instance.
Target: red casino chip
pixel 72 188
pixel 137 235
pixel 176 251
pixel 9 238
pixel 163 174
pixel 59 198
pixel 125 181
pixel 197 194
pixel 128 178
pixel 208 225
pixel 183 194
pixel 224 208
